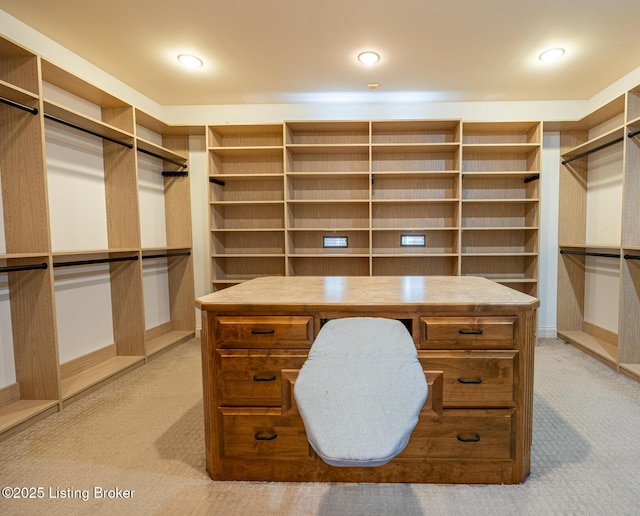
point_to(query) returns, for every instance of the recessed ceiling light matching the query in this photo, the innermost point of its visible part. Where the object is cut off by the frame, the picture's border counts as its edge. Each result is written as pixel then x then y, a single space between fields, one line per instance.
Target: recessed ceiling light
pixel 368 58
pixel 551 55
pixel 190 61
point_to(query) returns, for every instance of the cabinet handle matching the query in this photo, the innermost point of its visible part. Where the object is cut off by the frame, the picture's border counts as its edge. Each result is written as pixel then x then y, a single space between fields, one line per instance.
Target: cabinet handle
pixel 469 439
pixel 268 437
pixel 262 332
pixel 257 378
pixel 468 381
pixel 470 332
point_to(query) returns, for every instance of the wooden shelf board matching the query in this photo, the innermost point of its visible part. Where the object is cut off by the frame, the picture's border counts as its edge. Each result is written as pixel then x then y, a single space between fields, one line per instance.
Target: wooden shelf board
pixel 248 255
pixel 594 143
pixel 246 177
pixel 20 411
pixel 329 175
pixel 10 256
pixel 497 254
pixel 244 203
pixel 87 252
pixel 96 126
pixel 499 228
pixel 501 148
pixel 409 174
pixel 510 201
pixel 513 174
pixel 247 151
pixel 384 148
pixel 416 201
pixel 631 370
pixel 160 151
pixel 607 247
pixel 247 230
pixel 96 374
pixel 321 148
pixel 401 254
pixel 595 347
pixel 17 94
pixel 414 230
pixel 157 344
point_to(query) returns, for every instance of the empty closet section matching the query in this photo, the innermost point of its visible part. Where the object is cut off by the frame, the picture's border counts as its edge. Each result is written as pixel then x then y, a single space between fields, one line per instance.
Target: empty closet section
pixel 165 221
pixel 500 202
pixel 99 315
pixel 24 225
pixel 590 229
pixel 28 353
pixel 91 165
pixel 247 199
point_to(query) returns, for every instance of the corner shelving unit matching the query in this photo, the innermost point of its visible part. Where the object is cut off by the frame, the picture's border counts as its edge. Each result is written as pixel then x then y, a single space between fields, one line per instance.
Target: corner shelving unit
pixel 590 231
pixel 70 242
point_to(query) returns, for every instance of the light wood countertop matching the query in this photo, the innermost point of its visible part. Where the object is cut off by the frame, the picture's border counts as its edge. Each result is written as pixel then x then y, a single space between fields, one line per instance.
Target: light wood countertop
pixel 464 293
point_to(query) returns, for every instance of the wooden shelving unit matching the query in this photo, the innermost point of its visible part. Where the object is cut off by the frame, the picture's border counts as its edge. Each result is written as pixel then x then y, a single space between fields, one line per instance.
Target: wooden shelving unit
pixel 598 276
pixel 375 198
pixel 82 247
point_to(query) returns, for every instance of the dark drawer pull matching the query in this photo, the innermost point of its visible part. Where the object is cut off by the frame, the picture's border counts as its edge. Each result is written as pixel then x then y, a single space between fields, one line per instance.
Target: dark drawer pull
pixel 475 439
pixel 257 378
pixel 466 381
pixel 262 332
pixel 470 332
pixel 261 437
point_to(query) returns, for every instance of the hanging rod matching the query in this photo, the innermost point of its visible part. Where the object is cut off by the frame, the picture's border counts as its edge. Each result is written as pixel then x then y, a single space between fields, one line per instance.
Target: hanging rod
pixel 631 257
pixel 174 173
pixel 631 134
pixel 100 260
pixel 596 149
pixel 588 253
pixel 216 181
pixel 532 178
pixel 13 103
pixel 166 255
pixel 19 268
pixel 88 131
pixel 168 160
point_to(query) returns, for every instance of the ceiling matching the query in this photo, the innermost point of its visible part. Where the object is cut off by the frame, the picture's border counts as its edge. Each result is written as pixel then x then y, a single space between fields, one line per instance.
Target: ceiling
pixel 279 51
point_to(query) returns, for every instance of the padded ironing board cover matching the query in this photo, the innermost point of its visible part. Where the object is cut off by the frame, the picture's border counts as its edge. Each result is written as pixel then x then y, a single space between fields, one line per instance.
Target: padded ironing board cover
pixel 360 391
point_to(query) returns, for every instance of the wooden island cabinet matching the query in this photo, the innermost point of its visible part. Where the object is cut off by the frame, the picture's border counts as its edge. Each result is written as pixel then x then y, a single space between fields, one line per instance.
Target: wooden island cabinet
pixel 475 339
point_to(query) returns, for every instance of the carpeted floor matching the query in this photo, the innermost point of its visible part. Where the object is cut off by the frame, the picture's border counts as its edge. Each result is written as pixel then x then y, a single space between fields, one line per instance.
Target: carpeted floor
pixel 144 433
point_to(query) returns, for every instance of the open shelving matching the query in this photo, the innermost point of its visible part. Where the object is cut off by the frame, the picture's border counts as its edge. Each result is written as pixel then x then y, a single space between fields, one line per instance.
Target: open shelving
pixel 408 197
pixel 73 236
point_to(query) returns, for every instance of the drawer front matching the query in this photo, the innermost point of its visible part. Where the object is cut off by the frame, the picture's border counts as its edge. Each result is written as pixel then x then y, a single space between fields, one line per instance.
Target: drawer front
pixel 253 379
pixel 264 332
pixel 462 434
pixel 262 434
pixel 474 379
pixel 468 332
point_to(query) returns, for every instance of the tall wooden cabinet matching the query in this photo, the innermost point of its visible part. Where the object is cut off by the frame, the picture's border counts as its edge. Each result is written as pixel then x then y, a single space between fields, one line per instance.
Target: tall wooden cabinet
pixel 375 198
pixel 74 239
pixel 599 273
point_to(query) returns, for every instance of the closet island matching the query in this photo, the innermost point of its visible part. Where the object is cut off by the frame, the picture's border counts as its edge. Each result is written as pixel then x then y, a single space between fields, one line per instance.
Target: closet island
pixel 475 340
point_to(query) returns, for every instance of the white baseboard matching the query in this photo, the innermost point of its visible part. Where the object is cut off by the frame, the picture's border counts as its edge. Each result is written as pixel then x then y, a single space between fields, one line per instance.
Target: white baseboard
pixel 547 332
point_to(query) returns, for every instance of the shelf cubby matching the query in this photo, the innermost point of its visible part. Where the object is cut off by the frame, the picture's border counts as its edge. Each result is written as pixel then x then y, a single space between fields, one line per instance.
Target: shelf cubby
pixel 329 133
pixel 389 242
pixel 312 242
pixel 257 242
pixel 415 158
pixel 258 215
pixel 415 266
pixel 245 188
pixel 241 267
pixel 414 214
pixel 18 70
pixel 328 266
pixel 415 132
pixel 492 133
pixel 505 213
pixel 245 136
pixel 332 215
pixel 481 187
pixel 499 241
pixel 328 187
pixel 410 186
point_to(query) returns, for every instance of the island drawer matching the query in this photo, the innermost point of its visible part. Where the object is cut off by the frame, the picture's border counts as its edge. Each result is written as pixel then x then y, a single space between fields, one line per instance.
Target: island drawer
pixel 252 378
pixel 474 379
pixel 262 434
pixel 468 332
pixel 463 434
pixel 264 331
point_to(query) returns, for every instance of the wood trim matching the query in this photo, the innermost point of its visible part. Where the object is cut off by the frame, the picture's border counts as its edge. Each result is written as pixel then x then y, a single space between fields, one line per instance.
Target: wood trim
pixel 77 365
pixel 159 330
pixel 9 394
pixel 600 333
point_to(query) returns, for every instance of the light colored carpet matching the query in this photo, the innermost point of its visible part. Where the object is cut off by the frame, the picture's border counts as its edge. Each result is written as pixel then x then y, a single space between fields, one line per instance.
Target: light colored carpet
pixel 144 432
